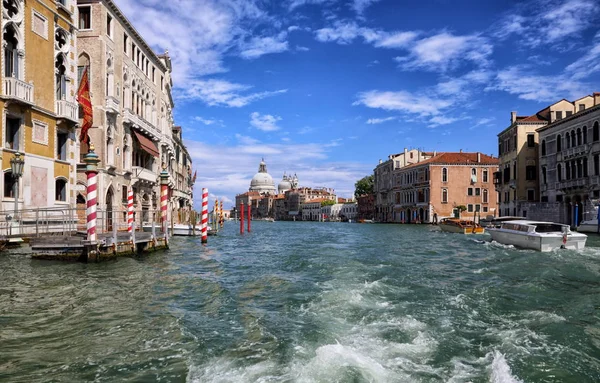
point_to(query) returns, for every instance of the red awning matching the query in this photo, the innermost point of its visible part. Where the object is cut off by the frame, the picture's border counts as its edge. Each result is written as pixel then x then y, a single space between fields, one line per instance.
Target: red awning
pixel 147 144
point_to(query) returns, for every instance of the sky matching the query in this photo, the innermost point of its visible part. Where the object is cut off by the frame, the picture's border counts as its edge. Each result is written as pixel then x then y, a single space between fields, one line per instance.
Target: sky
pixel 327 88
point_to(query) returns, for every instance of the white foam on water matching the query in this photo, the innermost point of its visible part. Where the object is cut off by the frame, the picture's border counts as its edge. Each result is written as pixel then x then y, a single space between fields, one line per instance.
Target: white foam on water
pixel 500 370
pixel 223 370
pixel 480 271
pixel 541 317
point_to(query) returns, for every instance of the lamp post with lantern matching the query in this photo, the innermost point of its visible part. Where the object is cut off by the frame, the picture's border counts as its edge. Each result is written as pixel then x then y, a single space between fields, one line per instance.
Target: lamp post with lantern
pixel 16 167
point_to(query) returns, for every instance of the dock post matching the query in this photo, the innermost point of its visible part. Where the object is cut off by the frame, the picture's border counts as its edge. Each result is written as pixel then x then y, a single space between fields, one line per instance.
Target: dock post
pixel 241 218
pixel 164 195
pixel 249 216
pixel 204 215
pixel 37 220
pixel 91 160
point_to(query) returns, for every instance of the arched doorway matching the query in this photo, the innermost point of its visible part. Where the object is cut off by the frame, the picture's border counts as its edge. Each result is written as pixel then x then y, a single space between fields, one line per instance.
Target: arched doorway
pixel 421 215
pixel 109 209
pixel 408 216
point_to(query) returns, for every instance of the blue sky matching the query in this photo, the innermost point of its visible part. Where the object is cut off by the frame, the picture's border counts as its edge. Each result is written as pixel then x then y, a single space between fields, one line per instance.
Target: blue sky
pixel 326 88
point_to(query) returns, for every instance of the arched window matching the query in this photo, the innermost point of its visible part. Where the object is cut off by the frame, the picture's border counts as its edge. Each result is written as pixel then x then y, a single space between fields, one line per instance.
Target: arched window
pixel 485 196
pixel 567 171
pixel 567 140
pixel 61 189
pixel 543 147
pixel 573 138
pixel 9 184
pixel 585 166
pixel 544 175
pixel 559 172
pixel 444 195
pixel 558 143
pixel 579 142
pixel 60 70
pixel 585 129
pixel 595 132
pixel 444 174
pixel 11 55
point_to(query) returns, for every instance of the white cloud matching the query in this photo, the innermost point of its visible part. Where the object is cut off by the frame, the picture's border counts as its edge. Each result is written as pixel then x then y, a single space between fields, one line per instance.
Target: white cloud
pixel 374 121
pixel 258 46
pixel 297 3
pixel 302 49
pixel 442 120
pixel 462 86
pixel 542 88
pixel 395 39
pixel 208 121
pixel 346 32
pixel 555 25
pixel 359 6
pixel 446 51
pixel 266 122
pixel 403 101
pixel 223 93
pixel 587 64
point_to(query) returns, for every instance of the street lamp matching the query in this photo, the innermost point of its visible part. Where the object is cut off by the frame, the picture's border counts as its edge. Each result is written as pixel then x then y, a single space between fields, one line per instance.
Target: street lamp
pixel 16 166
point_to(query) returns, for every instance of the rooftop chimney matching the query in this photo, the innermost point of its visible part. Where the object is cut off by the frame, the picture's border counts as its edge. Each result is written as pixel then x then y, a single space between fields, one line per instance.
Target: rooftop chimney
pixel 380 161
pixel 460 151
pixel 513 117
pixel 596 98
pixel 478 157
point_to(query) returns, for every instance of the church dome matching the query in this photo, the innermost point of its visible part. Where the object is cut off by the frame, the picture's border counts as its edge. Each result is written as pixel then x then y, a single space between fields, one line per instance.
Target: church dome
pixel 262 181
pixel 284 185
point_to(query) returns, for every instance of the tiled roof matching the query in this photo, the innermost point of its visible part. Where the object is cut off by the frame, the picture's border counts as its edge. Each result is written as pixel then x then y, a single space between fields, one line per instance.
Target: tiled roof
pixel 454 158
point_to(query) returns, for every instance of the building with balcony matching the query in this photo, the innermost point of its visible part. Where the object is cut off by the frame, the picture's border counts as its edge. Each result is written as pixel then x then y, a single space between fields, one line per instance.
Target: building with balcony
pixel 180 168
pixel 130 88
pixel 570 162
pixel 437 187
pixel 38 102
pixel 384 181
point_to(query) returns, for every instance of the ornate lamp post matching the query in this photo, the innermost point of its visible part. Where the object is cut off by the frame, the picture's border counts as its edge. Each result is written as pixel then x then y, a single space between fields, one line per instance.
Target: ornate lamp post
pixel 16 166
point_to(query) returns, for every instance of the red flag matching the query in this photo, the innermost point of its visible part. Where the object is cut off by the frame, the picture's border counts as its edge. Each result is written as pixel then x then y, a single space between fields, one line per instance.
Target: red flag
pixel 83 96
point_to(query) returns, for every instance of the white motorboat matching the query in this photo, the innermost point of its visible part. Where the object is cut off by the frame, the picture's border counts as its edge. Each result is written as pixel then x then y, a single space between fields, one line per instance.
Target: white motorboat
pixel 180 229
pixel 462 226
pixel 498 221
pixel 537 235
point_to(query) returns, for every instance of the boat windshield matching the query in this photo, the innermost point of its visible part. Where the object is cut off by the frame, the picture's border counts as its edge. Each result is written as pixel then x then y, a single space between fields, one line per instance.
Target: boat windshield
pixel 549 228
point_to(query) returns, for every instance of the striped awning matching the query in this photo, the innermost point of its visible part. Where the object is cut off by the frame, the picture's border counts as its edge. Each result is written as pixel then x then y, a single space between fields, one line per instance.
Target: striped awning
pixel 147 144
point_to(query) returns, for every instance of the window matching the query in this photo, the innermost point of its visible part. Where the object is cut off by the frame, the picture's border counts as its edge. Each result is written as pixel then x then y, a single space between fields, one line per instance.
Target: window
pixel 579 136
pixel 585 166
pixel 484 175
pixel 559 115
pixel 484 199
pixel 485 209
pixel 61 189
pixel 558 143
pixel 85 17
pixel 125 41
pixel 124 193
pixel 585 129
pixel 573 138
pixel 477 191
pixel 595 132
pixel 559 198
pixel 544 175
pixel 543 147
pixel 581 107
pixel 9 184
pixel 162 81
pixel 530 173
pixel 154 80
pixel 13 130
pixel 530 195
pixel 444 174
pixel 530 141
pixel 62 139
pixel 444 195
pixel 470 191
pixel 596 164
pixel 569 113
pixel 109 25
pixel 470 208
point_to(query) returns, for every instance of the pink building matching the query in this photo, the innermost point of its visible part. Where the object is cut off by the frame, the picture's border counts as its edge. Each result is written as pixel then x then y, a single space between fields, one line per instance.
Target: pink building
pixel 435 188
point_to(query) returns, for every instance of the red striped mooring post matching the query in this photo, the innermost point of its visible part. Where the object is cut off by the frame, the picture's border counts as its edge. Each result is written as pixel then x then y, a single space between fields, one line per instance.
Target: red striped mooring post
pixel 129 210
pixel 241 218
pixel 204 215
pixel 249 216
pixel 91 160
pixel 164 196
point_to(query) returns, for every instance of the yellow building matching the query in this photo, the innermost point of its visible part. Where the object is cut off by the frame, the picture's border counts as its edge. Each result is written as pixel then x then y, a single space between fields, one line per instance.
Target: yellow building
pixel 38 101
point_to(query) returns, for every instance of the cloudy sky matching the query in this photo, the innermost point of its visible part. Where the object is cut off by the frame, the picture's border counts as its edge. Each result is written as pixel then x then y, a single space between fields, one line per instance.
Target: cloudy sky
pixel 326 88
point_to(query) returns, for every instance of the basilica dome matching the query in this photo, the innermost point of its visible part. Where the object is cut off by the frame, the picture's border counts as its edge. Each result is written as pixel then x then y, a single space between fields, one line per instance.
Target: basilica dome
pixel 284 185
pixel 262 181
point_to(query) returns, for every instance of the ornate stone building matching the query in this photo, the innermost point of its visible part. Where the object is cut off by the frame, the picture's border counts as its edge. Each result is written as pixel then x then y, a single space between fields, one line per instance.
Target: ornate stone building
pixel 37 101
pixel 133 129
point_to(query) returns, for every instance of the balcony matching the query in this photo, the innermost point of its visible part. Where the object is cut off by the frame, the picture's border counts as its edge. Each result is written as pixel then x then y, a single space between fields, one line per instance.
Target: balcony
pixel 145 175
pixel 18 90
pixel 572 184
pixel 112 105
pixel 133 119
pixel 574 152
pixel 67 110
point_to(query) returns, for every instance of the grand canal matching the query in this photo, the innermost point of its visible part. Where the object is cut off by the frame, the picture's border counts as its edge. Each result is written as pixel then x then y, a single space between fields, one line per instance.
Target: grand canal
pixel 307 302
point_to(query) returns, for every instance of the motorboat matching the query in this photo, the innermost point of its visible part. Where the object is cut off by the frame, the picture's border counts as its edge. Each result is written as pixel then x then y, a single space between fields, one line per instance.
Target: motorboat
pixel 180 229
pixel 462 226
pixel 537 235
pixel 589 226
pixel 498 221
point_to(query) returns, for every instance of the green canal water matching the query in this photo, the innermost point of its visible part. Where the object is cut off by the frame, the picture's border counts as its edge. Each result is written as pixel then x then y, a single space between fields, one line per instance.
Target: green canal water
pixel 307 302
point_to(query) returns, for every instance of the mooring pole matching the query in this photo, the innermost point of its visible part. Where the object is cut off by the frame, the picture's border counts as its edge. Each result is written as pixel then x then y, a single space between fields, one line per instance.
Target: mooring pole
pixel 249 216
pixel 164 195
pixel 241 218
pixel 204 215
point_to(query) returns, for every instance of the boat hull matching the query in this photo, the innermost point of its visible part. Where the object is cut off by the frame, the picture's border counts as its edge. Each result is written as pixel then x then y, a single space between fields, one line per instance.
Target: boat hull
pixel 461 230
pixel 543 242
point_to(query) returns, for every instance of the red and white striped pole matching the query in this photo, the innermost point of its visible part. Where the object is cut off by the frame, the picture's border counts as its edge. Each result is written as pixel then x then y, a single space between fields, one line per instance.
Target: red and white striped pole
pixel 91 160
pixel 204 215
pixel 129 210
pixel 164 195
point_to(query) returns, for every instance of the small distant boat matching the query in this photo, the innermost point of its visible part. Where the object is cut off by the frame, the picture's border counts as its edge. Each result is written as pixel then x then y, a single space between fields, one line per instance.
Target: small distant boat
pixel 270 219
pixel 181 229
pixel 537 235
pixel 462 226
